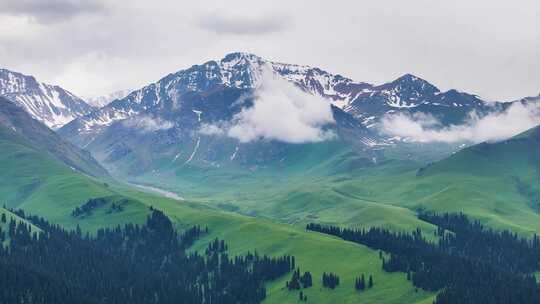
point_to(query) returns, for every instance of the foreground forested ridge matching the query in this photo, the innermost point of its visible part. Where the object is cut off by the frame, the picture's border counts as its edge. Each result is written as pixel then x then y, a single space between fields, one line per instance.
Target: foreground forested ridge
pixel 469 263
pixel 130 264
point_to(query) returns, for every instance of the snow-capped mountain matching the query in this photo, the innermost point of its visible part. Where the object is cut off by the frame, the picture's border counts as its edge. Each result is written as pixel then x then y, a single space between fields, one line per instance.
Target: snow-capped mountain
pixel 411 94
pixel 530 99
pixel 103 100
pixel 163 119
pixel 160 122
pixel 367 102
pixel 236 70
pixel 50 104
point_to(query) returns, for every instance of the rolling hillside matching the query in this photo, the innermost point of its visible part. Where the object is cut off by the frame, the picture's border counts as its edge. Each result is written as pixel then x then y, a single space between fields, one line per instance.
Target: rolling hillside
pixel 42 185
pixel 497 183
pixel 29 132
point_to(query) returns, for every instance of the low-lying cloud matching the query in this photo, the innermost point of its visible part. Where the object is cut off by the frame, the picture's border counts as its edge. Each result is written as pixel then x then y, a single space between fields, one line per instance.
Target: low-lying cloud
pixel 146 124
pixel 51 11
pixel 222 23
pixel 421 127
pixel 280 111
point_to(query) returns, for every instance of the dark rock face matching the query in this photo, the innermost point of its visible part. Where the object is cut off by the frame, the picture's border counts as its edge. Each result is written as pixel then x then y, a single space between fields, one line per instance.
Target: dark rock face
pixel 160 123
pixel 51 105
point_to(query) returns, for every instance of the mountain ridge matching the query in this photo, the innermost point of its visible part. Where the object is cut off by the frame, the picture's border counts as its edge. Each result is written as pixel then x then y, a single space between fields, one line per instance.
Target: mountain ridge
pixel 36 135
pixel 49 104
pixel 366 102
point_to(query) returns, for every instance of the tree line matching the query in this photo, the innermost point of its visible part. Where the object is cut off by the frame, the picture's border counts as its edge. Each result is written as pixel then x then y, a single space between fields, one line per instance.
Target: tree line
pixel 130 264
pixel 468 264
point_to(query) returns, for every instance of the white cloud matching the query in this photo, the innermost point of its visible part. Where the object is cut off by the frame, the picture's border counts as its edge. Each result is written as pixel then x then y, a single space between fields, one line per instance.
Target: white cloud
pixel 209 129
pixel 223 23
pixel 498 126
pixel 140 41
pixel 147 123
pixel 280 111
pixel 51 11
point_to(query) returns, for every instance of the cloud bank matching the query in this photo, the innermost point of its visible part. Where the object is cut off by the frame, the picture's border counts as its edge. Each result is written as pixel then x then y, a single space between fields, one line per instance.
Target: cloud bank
pixel 243 24
pixel 280 111
pixel 498 126
pixel 51 11
pixel 146 124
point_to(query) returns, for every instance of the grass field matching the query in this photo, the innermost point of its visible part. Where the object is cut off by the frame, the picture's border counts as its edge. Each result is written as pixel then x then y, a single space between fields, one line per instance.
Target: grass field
pixel 498 184
pixel 314 252
pixel 266 210
pixel 43 186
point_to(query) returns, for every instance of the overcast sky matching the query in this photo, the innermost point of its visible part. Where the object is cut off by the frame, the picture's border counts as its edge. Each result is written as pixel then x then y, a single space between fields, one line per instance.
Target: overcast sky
pixel 92 47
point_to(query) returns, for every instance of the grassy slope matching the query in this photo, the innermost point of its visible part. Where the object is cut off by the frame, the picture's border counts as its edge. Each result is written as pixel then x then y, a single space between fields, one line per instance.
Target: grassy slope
pixel 41 185
pixel 314 252
pixel 16 122
pixel 36 182
pixel 301 190
pixel 497 183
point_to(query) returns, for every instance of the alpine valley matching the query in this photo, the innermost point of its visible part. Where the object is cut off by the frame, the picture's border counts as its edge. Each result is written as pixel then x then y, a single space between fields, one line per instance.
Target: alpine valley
pixel 251 152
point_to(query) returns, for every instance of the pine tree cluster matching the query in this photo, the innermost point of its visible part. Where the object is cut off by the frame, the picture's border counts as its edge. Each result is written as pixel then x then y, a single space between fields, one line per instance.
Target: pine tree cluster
pixel 130 264
pixel 330 280
pixel 469 264
pixel 360 283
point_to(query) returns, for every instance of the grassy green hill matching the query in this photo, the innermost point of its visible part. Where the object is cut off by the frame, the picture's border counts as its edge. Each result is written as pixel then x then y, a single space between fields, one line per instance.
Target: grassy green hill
pixel 42 185
pixel 315 252
pixel 266 209
pixel 38 136
pixel 310 185
pixel 498 183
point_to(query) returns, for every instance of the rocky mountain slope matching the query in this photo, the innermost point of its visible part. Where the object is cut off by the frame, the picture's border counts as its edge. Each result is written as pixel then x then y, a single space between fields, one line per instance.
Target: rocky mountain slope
pixel 186 117
pixel 366 102
pixel 50 104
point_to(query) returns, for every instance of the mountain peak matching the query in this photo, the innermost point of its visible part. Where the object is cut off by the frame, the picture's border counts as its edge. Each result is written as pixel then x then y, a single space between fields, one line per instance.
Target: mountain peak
pixel 412 79
pixel 50 104
pixel 412 84
pixel 241 56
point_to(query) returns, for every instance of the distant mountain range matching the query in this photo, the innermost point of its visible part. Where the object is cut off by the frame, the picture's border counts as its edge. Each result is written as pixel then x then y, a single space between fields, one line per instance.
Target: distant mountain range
pixel 50 104
pixel 366 102
pixel 169 114
pixel 179 104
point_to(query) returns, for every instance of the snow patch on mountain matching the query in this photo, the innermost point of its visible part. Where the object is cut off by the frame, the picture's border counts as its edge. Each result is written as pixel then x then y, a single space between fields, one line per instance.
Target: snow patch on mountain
pixel 49 104
pixel 233 156
pixel 197 144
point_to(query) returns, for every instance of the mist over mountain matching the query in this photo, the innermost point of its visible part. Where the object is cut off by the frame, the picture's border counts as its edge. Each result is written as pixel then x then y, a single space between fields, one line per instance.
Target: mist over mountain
pixel 209 112
pixel 103 100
